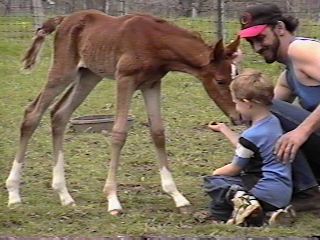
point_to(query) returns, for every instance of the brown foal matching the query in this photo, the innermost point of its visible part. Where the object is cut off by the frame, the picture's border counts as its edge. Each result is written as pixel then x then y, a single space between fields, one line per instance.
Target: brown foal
pixel 136 50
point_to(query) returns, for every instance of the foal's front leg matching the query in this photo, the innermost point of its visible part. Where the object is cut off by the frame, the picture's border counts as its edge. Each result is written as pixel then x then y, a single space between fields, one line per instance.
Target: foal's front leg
pixel 125 90
pixel 152 102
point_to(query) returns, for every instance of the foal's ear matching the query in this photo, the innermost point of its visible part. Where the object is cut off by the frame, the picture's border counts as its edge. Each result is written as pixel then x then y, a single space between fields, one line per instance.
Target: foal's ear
pixel 217 52
pixel 232 48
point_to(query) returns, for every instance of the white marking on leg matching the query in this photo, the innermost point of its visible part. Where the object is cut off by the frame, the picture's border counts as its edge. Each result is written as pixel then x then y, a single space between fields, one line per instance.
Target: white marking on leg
pixel 113 201
pixel 59 182
pixel 13 183
pixel 169 187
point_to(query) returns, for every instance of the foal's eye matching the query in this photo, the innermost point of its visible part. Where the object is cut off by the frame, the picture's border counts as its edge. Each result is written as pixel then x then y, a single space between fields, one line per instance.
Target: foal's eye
pixel 220 81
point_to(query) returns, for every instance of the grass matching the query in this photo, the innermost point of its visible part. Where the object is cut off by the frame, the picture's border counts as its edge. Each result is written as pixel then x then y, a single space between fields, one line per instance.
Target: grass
pixel 194 151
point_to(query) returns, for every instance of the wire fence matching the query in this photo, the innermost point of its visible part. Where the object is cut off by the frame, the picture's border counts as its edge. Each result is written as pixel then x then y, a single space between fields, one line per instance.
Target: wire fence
pixel 212 18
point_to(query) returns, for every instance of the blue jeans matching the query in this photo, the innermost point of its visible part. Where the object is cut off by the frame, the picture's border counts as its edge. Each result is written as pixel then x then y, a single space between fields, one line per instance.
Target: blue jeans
pixel 217 188
pixel 306 166
pixel 221 189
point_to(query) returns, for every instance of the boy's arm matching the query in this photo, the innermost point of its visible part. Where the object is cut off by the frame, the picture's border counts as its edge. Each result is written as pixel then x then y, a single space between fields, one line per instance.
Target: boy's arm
pixel 240 161
pixel 232 136
pixel 228 170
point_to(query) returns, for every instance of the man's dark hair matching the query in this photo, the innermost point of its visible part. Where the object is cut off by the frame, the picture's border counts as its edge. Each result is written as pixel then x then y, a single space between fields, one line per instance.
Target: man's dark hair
pixel 269 14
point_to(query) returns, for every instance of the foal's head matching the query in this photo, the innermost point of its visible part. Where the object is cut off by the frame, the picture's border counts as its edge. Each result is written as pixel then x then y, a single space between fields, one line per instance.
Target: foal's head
pixel 220 71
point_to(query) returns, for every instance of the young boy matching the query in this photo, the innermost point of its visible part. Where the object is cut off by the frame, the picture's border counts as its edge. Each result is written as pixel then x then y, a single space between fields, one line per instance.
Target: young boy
pixel 255 181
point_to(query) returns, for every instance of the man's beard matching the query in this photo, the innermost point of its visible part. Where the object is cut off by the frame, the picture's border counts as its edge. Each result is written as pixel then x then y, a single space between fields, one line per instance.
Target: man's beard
pixel 272 50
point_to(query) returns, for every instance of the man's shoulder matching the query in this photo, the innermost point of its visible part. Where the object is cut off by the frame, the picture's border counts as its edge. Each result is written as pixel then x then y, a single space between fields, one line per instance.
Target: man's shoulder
pixel 302 47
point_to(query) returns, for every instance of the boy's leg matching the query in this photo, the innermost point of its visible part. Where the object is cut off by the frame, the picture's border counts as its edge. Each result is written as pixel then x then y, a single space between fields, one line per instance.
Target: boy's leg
pixel 282 217
pixel 247 210
pixel 218 188
pixel 278 217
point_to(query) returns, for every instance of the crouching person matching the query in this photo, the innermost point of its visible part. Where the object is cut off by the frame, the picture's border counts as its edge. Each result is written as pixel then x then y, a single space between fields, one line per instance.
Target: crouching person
pixel 255 182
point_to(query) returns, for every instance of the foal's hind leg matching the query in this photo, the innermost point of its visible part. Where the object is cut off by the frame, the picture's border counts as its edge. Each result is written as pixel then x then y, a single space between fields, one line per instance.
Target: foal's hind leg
pixel 152 101
pixel 60 116
pixel 32 116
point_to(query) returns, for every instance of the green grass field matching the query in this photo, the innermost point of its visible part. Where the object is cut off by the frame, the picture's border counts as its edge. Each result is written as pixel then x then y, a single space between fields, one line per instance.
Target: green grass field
pixel 194 152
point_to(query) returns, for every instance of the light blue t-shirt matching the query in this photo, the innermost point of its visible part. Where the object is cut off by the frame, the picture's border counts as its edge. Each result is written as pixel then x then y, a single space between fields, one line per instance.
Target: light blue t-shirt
pixel 254 154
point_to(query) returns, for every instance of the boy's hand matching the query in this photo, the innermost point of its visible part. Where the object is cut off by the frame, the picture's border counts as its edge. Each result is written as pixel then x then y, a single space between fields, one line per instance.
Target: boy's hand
pixel 217 127
pixel 232 136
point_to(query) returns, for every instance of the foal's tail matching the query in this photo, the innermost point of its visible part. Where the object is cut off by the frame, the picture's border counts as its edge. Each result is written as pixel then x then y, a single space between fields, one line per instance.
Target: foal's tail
pixel 30 58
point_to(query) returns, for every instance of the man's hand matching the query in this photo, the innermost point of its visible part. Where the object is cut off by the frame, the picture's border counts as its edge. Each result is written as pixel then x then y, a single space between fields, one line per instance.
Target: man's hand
pixel 289 144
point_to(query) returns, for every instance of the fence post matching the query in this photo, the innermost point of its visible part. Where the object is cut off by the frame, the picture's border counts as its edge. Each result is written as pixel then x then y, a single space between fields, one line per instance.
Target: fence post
pixel 221 33
pixel 107 6
pixel 38 13
pixel 122 7
pixel 194 11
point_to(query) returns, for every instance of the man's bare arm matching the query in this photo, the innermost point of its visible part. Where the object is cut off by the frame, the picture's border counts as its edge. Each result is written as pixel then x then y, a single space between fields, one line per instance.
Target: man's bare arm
pixel 282 90
pixel 308 65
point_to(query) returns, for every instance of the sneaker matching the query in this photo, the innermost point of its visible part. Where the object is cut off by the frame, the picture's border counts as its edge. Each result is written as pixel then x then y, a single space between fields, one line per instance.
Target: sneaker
pixel 307 200
pixel 283 217
pixel 244 206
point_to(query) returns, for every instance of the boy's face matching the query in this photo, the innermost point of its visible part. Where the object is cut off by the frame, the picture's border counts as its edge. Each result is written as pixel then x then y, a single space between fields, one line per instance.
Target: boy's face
pixel 242 107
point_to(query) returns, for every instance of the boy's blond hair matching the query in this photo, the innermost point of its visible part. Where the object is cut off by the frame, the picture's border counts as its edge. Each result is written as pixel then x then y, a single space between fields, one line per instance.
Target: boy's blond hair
pixel 252 85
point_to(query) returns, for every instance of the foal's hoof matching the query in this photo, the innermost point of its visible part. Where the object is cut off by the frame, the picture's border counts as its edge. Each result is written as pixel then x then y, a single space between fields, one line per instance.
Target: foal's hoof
pixel 116 212
pixel 185 210
pixel 14 205
pixel 70 203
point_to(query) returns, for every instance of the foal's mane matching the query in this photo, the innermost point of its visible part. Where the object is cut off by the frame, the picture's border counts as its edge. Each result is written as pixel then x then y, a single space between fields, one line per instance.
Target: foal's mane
pixel 180 30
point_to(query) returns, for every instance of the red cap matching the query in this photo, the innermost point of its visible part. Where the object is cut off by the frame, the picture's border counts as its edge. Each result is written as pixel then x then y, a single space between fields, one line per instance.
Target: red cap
pixel 252 31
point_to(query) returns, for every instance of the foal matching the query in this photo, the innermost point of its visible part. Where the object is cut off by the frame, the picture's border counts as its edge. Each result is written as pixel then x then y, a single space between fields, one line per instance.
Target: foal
pixel 136 50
